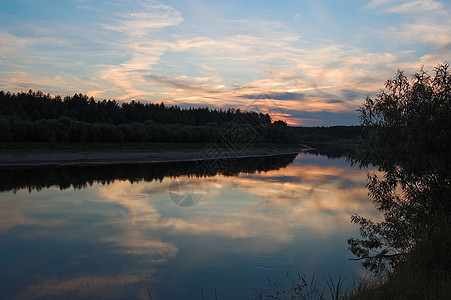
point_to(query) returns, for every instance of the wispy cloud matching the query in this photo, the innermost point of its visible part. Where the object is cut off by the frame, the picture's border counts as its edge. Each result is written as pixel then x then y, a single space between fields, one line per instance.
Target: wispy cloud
pixel 377 3
pixel 427 21
pixel 146 19
pixel 420 6
pixel 434 34
pixel 276 96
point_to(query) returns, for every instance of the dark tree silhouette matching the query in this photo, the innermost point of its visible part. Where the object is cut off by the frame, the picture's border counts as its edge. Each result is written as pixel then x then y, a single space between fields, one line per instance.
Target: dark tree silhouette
pixel 408 136
pixel 39 117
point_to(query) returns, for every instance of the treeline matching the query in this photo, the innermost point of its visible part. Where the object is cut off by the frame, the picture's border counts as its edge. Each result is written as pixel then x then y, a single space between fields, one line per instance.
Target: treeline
pixel 39 117
pixel 34 106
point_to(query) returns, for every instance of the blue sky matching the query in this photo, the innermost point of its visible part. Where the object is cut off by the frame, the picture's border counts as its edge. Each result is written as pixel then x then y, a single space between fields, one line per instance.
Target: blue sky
pixel 306 62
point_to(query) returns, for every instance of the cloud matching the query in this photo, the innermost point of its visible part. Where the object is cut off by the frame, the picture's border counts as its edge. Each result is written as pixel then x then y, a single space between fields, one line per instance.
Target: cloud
pixel 9 41
pixel 376 3
pixel 127 75
pixel 334 118
pixel 23 81
pixel 406 6
pixel 426 33
pixel 427 21
pixel 146 19
pixel 276 96
pixel 16 49
pixel 334 101
pixel 421 6
pixel 181 82
pixel 443 54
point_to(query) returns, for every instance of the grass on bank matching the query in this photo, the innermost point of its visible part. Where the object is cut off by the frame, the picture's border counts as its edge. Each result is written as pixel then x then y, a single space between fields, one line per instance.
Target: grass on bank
pixel 36 147
pixel 401 285
pixel 304 288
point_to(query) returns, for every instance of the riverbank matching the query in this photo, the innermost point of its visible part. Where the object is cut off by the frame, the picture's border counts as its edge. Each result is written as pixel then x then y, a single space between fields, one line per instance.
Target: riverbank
pixel 39 147
pixel 84 158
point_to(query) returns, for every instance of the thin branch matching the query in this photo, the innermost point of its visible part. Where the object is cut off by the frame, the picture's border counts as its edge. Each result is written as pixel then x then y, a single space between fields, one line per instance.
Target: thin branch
pixel 379 256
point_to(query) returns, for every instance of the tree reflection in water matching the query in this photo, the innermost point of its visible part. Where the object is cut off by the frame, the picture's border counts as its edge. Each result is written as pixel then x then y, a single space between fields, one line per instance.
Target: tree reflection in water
pixel 80 176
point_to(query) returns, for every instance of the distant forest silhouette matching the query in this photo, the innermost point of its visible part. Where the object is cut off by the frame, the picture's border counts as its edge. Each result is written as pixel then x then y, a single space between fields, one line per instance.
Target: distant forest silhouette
pixel 39 117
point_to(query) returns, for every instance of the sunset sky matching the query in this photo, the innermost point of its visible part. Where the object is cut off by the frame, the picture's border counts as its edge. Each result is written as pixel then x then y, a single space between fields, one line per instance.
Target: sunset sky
pixel 306 62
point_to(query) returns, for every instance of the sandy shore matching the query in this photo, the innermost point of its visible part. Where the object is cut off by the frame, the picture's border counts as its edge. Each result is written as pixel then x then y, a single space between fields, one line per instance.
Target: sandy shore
pixel 133 157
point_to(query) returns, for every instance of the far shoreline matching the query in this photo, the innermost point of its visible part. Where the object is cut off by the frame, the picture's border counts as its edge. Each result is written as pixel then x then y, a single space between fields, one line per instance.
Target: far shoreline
pixel 114 157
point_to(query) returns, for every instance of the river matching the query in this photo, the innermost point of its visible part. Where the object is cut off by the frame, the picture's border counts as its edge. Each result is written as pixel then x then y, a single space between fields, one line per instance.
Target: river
pixel 171 231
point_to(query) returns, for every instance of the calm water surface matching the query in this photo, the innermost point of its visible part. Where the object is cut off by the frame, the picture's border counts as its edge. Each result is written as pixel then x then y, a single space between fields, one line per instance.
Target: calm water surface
pixel 179 237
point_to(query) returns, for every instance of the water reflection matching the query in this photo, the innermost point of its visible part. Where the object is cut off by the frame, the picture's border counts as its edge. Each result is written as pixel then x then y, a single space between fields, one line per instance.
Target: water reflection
pixel 81 176
pixel 119 240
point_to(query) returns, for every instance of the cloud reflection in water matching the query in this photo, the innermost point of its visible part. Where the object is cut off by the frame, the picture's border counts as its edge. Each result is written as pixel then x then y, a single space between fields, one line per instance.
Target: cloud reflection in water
pixel 257 223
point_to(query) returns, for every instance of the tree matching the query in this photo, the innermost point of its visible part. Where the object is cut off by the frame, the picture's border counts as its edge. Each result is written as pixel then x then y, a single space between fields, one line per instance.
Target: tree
pixel 410 122
pixel 408 136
